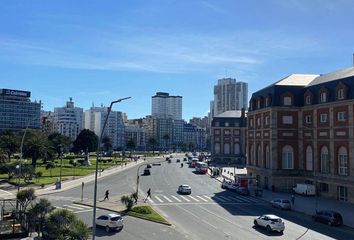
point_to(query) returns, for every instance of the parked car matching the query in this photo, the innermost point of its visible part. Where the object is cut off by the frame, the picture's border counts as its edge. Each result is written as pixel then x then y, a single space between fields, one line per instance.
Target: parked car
pixel 329 217
pixel 147 171
pixel 148 166
pixel 156 164
pixel 305 189
pixel 242 191
pixel 228 184
pixel 270 222
pixel 184 189
pixel 281 203
pixel 185 159
pixel 178 160
pixel 110 221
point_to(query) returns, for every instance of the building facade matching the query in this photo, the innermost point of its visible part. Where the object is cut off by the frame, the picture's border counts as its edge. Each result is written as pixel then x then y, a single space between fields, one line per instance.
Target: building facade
pixel 229 95
pixel 68 120
pixel 47 122
pixel 115 129
pixel 301 131
pixel 136 134
pixel 228 138
pixel 166 106
pixel 17 111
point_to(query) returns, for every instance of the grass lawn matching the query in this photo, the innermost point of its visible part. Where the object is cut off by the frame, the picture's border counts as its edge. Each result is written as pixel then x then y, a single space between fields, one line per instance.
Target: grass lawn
pixel 146 212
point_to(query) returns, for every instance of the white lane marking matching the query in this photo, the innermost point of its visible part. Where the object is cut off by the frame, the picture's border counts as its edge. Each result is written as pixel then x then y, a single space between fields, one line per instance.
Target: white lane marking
pixel 247 199
pixel 237 199
pixel 219 199
pixel 224 198
pixel 185 198
pixel 202 198
pixel 87 210
pixel 176 198
pixel 197 217
pixel 229 199
pixel 150 200
pixel 167 199
pixel 158 199
pixel 194 198
pixel 83 206
pixel 207 197
pixel 70 206
pixel 6 192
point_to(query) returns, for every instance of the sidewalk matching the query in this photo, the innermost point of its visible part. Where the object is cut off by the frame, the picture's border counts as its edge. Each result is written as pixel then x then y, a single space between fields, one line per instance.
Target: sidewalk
pixel 11 193
pixel 303 204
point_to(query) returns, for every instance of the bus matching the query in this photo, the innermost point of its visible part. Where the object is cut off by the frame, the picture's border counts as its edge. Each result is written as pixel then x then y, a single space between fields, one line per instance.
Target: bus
pixel 201 167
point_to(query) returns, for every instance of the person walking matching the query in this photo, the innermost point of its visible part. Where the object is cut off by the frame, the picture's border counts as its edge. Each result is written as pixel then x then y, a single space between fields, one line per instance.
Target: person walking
pixel 106 195
pixel 292 199
pixel 148 194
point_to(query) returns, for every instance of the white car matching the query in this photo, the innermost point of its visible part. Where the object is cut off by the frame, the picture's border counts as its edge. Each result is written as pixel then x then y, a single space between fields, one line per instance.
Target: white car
pixel 270 222
pixel 110 221
pixel 281 203
pixel 227 184
pixel 185 189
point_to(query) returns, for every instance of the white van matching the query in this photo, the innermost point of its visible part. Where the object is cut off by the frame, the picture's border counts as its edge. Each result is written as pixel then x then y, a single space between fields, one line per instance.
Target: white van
pixel 305 189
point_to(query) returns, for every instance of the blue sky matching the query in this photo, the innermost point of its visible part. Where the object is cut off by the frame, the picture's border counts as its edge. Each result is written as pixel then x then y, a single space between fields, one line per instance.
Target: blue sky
pixel 99 51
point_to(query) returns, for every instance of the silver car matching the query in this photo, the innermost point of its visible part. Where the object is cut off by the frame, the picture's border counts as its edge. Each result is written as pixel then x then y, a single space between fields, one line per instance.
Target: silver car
pixel 270 222
pixel 185 189
pixel 281 203
pixel 110 221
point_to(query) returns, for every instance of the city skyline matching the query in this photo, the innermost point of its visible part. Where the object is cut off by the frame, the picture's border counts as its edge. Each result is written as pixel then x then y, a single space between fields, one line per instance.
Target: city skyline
pixel 97 53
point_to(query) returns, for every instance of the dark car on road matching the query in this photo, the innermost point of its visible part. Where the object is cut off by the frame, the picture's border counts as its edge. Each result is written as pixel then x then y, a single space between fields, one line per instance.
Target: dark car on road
pixel 148 166
pixel 329 217
pixel 243 191
pixel 147 171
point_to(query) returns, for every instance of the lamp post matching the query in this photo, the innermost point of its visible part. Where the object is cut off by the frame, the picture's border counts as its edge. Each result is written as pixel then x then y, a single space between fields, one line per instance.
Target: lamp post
pixel 61 165
pixel 96 171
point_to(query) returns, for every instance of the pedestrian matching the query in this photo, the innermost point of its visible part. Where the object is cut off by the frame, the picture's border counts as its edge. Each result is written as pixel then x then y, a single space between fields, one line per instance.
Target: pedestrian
pixel 148 194
pixel 106 195
pixel 293 199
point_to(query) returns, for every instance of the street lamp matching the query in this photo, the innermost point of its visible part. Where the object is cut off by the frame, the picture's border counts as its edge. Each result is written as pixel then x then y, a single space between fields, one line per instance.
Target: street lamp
pixel 61 165
pixel 96 171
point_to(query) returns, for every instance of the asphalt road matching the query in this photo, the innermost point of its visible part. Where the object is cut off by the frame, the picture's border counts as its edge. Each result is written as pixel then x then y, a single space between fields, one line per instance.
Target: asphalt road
pixel 208 213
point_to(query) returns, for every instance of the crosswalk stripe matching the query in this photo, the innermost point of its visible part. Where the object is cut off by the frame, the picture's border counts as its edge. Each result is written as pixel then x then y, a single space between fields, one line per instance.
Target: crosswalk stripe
pixel 246 199
pixel 194 199
pixel 150 200
pixel 207 197
pixel 70 206
pixel 202 198
pixel 185 198
pixel 83 206
pixel 228 198
pixel 176 198
pixel 158 199
pixel 219 199
pixel 224 198
pixel 167 199
pixel 237 199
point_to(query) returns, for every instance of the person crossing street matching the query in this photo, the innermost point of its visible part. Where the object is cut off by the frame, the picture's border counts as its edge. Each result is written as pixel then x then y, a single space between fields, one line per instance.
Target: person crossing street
pixel 148 194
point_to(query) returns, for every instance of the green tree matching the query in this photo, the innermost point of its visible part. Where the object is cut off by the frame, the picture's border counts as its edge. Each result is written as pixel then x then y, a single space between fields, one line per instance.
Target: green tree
pixel 63 224
pixel 37 146
pixel 107 143
pixel 166 137
pixel 9 143
pixel 59 142
pixel 25 197
pixel 86 140
pixel 128 201
pixel 38 214
pixel 131 144
pixel 152 143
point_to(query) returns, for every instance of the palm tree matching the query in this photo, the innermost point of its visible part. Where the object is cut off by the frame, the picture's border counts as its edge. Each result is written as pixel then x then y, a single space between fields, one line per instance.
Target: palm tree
pixel 25 197
pixel 63 224
pixel 107 143
pixel 166 137
pixel 9 143
pixel 152 142
pixel 38 213
pixel 37 147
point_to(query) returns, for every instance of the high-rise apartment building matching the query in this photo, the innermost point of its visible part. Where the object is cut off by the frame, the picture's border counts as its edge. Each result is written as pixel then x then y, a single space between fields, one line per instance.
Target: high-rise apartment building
pixel 68 120
pixel 94 120
pixel 166 106
pixel 229 95
pixel 17 111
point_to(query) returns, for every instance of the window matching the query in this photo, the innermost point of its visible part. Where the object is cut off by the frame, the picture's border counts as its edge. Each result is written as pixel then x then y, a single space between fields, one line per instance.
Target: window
pixel 227 124
pixel 267 102
pixel 309 159
pixel 323 117
pixel 288 157
pixel 342 193
pixel 227 132
pixel 227 148
pixel 287 119
pixel 342 161
pixel 266 120
pixel 217 148
pixel 308 119
pixel 324 187
pixel 340 94
pixel 287 101
pixel 237 148
pixel 258 155
pixel 258 104
pixel 217 124
pixel 308 99
pixel 217 132
pixel 267 157
pixel 324 160
pixel 258 121
pixel 341 116
pixel 323 97
pixel 251 122
pixel 252 155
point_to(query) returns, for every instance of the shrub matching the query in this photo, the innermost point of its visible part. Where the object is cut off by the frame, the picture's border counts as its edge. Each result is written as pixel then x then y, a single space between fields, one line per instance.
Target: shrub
pixel 142 210
pixel 128 201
